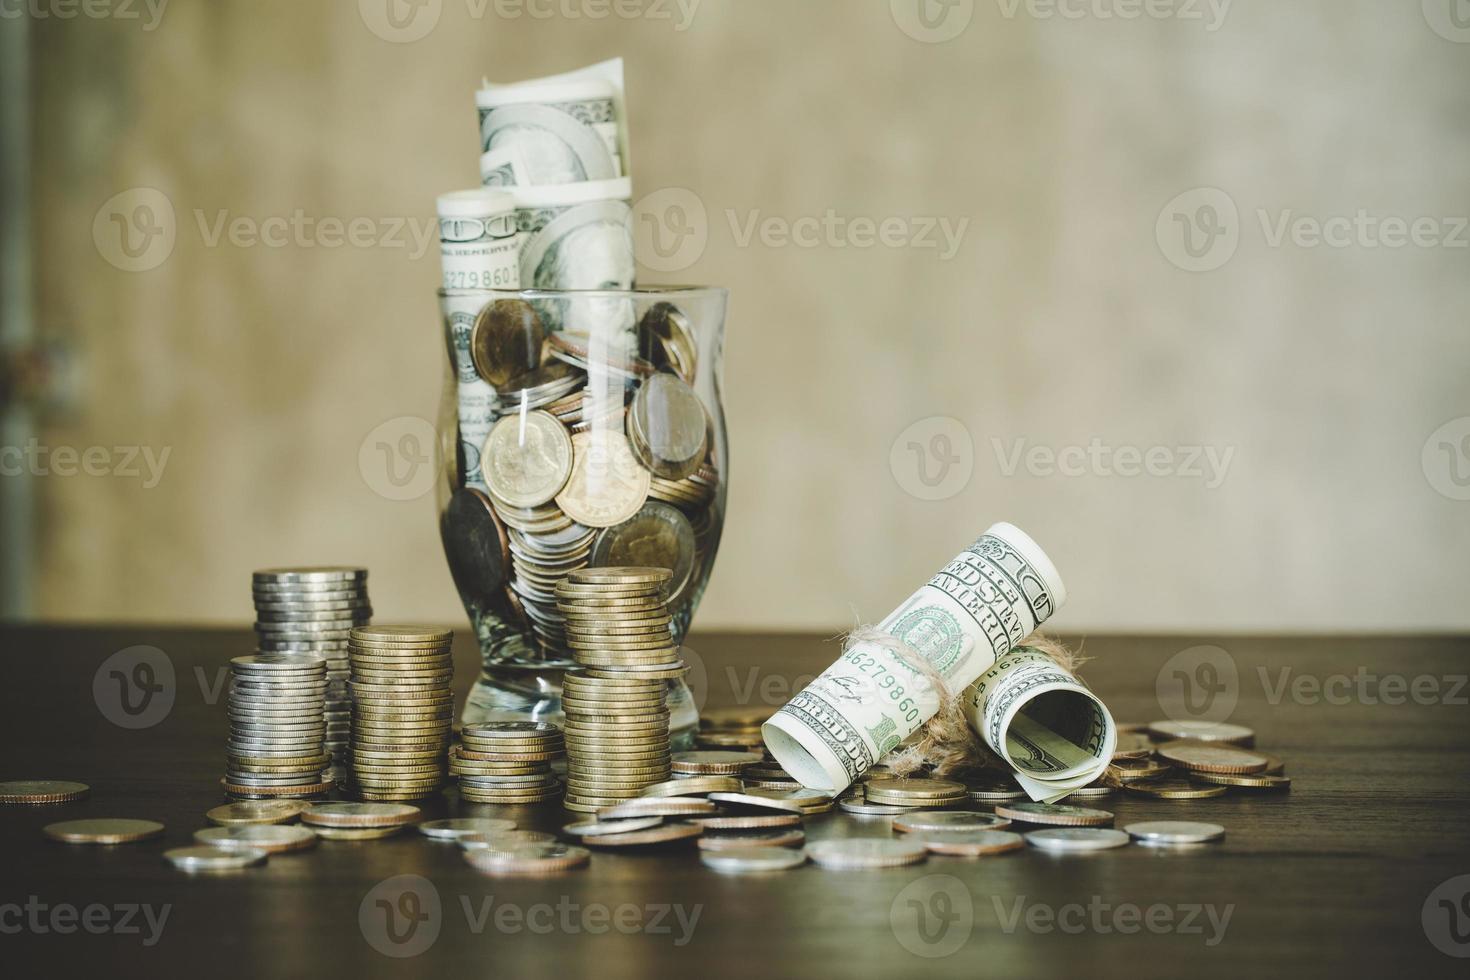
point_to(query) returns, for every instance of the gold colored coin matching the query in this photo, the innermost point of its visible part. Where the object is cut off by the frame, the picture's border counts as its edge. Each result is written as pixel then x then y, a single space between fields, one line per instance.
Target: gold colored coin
pixel 357 833
pixel 527 459
pixel 257 812
pixel 103 831
pixel 42 791
pixel 1202 757
pixel 1174 789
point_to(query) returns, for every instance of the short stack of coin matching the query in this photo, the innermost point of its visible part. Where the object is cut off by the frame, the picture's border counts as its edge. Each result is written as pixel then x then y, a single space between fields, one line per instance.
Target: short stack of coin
pixel 507 762
pixel 402 710
pixel 275 710
pixel 915 792
pixel 310 610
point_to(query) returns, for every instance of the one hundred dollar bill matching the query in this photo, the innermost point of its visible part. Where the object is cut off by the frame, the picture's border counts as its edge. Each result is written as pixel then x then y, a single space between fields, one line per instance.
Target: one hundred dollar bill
pixel 579 237
pixel 967 617
pixel 561 129
pixel 1056 735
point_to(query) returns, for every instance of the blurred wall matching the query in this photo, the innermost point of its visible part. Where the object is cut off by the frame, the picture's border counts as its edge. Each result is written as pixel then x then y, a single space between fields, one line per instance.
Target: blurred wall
pixel 1131 343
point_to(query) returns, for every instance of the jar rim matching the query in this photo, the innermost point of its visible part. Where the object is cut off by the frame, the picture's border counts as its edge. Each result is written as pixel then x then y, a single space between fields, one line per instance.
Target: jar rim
pixel 634 293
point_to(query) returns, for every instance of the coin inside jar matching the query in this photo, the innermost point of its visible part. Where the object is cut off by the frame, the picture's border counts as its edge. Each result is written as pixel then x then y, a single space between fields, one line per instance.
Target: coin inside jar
pixel 667 427
pixel 527 458
pixel 607 486
pixel 475 545
pixel 506 340
pixel 665 341
pixel 658 536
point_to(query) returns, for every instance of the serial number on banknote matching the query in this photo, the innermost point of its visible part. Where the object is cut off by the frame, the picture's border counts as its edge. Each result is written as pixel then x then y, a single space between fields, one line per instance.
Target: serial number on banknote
pixel 482 279
pixel 887 682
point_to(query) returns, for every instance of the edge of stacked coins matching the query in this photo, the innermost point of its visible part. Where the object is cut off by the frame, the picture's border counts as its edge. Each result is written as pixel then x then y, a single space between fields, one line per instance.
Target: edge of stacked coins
pixel 507 762
pixel 275 745
pixel 311 610
pixel 617 716
pixel 402 710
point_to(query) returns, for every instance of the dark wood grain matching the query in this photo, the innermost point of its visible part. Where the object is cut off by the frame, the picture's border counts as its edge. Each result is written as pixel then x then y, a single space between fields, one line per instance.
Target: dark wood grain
pixel 1329 880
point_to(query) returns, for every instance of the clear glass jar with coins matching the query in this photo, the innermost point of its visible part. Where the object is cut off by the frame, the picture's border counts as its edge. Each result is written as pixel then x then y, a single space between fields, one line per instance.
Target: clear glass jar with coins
pixel 579 429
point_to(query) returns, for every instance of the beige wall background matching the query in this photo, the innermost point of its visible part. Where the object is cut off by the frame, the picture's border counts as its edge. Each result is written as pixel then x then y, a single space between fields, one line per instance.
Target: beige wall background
pixel 1063 316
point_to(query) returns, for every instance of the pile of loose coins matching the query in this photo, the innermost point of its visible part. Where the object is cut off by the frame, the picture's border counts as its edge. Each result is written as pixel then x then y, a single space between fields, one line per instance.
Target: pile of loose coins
pixel 276 739
pixel 507 762
pixel 617 719
pixel 588 451
pixel 311 610
pixel 402 710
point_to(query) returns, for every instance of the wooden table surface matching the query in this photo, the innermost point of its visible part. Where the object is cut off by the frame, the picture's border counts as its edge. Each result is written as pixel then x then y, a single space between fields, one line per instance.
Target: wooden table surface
pixel 1334 879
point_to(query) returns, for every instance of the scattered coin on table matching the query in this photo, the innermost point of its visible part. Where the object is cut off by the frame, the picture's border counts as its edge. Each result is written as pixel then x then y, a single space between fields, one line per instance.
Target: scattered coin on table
pixel 1175 832
pixel 753 860
pixel 464 827
pixel 865 852
pixel 42 791
pixel 968 843
pixel 949 820
pixel 1077 839
pixel 271 838
pixel 204 858
pixel 257 812
pixel 106 830
pixel 1056 814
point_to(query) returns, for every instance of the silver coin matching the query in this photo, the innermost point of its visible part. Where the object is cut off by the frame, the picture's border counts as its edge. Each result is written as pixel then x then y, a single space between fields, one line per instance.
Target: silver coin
pixel 865 852
pixel 455 829
pixel 204 858
pixel 269 663
pixel 948 820
pixel 312 574
pixel 1174 832
pixel 753 859
pixel 861 809
pixel 1203 731
pixel 1076 839
pixel 599 828
pixel 266 837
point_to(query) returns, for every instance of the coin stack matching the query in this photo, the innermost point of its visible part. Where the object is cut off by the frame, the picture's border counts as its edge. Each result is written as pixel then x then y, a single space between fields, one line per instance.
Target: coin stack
pixel 275 747
pixel 310 610
pixel 599 454
pixel 507 762
pixel 617 719
pixel 402 710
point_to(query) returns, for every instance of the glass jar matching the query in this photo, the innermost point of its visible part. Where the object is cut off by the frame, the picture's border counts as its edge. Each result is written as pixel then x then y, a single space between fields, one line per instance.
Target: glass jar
pixel 577 428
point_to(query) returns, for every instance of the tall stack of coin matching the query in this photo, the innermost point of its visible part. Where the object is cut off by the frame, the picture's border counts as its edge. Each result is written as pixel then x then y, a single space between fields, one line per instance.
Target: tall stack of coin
pixel 507 762
pixel 310 610
pixel 402 710
pixel 617 719
pixel 275 746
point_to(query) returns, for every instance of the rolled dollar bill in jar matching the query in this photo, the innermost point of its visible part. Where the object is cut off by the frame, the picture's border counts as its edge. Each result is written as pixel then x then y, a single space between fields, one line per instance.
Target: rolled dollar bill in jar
pixel 478 239
pixel 966 618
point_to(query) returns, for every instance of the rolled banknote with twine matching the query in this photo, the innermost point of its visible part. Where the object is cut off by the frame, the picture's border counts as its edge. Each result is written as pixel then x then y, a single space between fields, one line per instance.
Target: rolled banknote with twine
pixel 948 636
